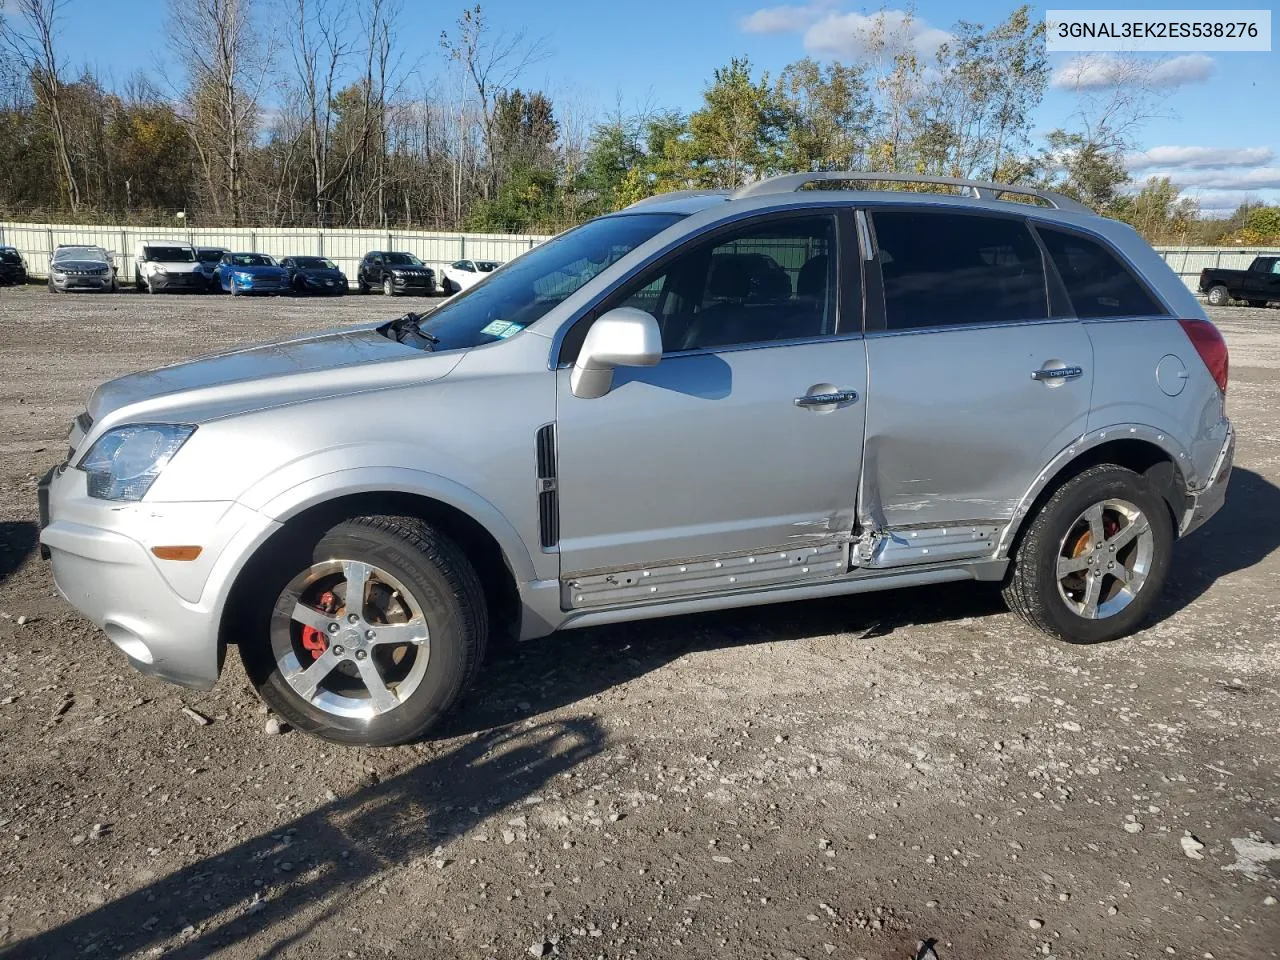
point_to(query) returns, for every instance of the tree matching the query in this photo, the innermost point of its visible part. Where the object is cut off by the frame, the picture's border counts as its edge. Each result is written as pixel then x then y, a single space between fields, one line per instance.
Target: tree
pixel 1158 211
pixel 826 115
pixel 31 45
pixel 735 137
pixel 227 66
pixel 492 62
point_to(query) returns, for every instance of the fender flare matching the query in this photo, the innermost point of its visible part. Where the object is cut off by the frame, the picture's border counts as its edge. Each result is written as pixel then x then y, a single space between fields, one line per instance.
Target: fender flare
pixel 335 484
pixel 1091 440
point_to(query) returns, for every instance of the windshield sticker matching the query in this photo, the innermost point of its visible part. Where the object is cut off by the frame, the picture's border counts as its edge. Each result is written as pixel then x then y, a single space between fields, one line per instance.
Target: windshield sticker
pixel 502 328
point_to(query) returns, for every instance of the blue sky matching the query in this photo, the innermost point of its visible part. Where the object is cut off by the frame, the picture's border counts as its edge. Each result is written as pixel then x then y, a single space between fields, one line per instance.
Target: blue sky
pixel 1217 135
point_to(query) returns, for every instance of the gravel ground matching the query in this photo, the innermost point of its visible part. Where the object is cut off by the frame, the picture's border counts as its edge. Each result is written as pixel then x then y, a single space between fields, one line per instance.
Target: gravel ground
pixel 843 778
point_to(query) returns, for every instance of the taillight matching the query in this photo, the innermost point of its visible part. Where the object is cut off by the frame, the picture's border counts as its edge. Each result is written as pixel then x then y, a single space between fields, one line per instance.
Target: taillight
pixel 1204 336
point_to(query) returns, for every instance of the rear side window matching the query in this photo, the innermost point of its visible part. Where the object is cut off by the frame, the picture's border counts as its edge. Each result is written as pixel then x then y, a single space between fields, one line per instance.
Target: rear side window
pixel 944 269
pixel 1097 283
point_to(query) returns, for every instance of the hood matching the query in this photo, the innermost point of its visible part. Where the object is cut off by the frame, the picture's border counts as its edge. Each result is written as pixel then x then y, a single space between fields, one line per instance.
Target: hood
pixel 322 364
pixel 80 265
pixel 409 270
pixel 320 273
pixel 177 266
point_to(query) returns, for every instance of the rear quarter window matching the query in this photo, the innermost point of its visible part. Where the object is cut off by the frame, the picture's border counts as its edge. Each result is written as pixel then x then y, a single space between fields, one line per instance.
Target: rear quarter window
pixel 1098 284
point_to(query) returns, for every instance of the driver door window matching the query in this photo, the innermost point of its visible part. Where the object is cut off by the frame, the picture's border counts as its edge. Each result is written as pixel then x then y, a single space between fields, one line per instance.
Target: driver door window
pixel 769 281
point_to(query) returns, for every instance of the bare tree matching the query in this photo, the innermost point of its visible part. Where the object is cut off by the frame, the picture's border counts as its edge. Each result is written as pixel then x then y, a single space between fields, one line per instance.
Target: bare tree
pixel 492 62
pixel 227 66
pixel 30 44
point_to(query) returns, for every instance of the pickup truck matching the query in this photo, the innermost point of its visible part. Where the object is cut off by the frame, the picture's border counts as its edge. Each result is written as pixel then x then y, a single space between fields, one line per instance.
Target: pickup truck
pixel 1257 285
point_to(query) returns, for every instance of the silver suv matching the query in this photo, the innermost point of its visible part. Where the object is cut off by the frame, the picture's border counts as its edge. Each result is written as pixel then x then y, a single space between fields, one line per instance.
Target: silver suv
pixel 707 400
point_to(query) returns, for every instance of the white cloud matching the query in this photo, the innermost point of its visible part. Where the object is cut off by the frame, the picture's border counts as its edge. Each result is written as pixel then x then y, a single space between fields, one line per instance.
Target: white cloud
pixel 1259 178
pixel 1198 158
pixel 1103 71
pixel 829 32
pixel 785 19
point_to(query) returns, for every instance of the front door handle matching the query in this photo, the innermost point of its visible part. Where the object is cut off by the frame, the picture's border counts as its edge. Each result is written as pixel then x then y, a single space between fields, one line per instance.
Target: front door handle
pixel 1058 374
pixel 827 399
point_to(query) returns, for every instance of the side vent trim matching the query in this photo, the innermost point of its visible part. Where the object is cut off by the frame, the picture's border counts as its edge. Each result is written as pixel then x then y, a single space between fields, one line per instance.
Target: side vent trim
pixel 548 492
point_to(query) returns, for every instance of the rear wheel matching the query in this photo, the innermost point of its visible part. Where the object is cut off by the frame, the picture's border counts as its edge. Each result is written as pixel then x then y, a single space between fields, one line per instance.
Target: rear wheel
pixel 1093 561
pixel 1218 296
pixel 367 634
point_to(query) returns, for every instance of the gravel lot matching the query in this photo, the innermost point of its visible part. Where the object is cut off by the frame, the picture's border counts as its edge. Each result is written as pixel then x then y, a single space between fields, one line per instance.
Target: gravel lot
pixel 841 778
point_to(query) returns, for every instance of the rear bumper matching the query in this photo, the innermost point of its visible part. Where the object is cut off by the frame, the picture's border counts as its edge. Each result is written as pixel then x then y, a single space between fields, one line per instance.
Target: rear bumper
pixel 1208 500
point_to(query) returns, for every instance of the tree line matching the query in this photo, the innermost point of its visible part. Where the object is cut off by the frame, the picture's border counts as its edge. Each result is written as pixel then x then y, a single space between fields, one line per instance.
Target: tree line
pixel 312 113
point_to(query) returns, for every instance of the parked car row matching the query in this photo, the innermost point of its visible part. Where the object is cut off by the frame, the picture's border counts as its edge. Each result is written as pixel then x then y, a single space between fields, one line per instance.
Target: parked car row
pixel 165 266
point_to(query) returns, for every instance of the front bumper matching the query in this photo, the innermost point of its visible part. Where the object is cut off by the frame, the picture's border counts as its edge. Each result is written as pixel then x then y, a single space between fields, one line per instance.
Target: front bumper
pixel 165 282
pixel 72 282
pixel 260 285
pixel 415 284
pixel 323 285
pixel 164 615
pixel 1208 500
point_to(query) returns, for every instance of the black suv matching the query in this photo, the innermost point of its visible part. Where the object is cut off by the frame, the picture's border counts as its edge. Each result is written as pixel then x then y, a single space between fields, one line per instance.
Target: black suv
pixel 394 274
pixel 13 269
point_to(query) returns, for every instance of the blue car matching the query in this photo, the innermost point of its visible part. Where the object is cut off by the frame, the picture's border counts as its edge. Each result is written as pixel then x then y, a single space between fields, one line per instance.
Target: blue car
pixel 239 273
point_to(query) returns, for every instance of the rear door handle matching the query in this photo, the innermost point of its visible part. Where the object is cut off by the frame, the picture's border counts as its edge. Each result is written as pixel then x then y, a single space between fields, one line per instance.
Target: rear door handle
pixel 827 399
pixel 1057 374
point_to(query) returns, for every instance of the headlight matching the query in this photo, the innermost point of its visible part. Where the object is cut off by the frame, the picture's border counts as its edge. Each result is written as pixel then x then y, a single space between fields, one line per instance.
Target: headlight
pixel 160 269
pixel 124 462
pixel 243 277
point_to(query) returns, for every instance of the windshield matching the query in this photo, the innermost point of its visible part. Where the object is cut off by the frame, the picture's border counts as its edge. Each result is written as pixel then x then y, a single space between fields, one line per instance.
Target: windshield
pixel 486 266
pixel 252 260
pixel 171 254
pixel 80 253
pixel 527 287
pixel 402 260
pixel 209 256
pixel 10 256
pixel 314 263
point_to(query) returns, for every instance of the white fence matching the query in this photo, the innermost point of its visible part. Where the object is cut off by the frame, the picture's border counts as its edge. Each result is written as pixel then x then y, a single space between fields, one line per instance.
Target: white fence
pixel 346 248
pixel 37 242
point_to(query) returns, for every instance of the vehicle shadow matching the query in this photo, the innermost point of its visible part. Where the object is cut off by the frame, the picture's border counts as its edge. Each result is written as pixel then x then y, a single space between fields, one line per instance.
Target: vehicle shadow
pixel 1243 533
pixel 332 852
pixel 18 540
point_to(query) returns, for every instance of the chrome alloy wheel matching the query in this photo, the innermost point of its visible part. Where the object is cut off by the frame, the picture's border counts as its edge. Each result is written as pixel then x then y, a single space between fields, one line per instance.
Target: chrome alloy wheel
pixel 1104 559
pixel 349 639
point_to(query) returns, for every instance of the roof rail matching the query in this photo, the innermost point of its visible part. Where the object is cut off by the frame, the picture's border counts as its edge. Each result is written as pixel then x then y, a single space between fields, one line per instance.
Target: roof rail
pixel 677 195
pixel 791 182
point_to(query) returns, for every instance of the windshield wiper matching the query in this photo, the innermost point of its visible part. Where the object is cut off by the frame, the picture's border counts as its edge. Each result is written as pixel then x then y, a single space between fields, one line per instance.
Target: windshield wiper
pixel 405 330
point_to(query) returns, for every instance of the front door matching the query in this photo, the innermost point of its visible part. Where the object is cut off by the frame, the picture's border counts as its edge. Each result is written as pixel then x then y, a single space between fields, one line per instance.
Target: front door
pixel 975 384
pixel 734 462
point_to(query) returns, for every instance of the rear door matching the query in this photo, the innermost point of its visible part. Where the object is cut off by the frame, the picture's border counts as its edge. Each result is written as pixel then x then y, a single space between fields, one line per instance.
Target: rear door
pixel 744 442
pixel 979 375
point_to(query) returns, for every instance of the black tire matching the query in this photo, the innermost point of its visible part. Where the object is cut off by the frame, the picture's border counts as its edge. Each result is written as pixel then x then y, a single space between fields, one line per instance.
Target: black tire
pixel 137 282
pixel 388 288
pixel 1218 296
pixel 439 579
pixel 1032 590
pixel 361 286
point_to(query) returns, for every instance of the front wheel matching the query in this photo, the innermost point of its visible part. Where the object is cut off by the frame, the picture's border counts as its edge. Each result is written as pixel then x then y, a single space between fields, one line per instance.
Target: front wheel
pixel 388 288
pixel 368 633
pixel 1092 562
pixel 1219 296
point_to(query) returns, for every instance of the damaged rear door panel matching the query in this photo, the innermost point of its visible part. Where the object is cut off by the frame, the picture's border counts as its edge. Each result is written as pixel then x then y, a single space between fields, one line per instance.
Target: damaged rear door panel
pixel 976 381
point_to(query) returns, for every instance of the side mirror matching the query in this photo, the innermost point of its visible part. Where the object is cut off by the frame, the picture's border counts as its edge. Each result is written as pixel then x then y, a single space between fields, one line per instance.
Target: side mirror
pixel 624 337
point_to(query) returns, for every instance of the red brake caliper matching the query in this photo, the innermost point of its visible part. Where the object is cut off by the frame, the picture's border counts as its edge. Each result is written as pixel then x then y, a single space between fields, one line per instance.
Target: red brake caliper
pixel 314 641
